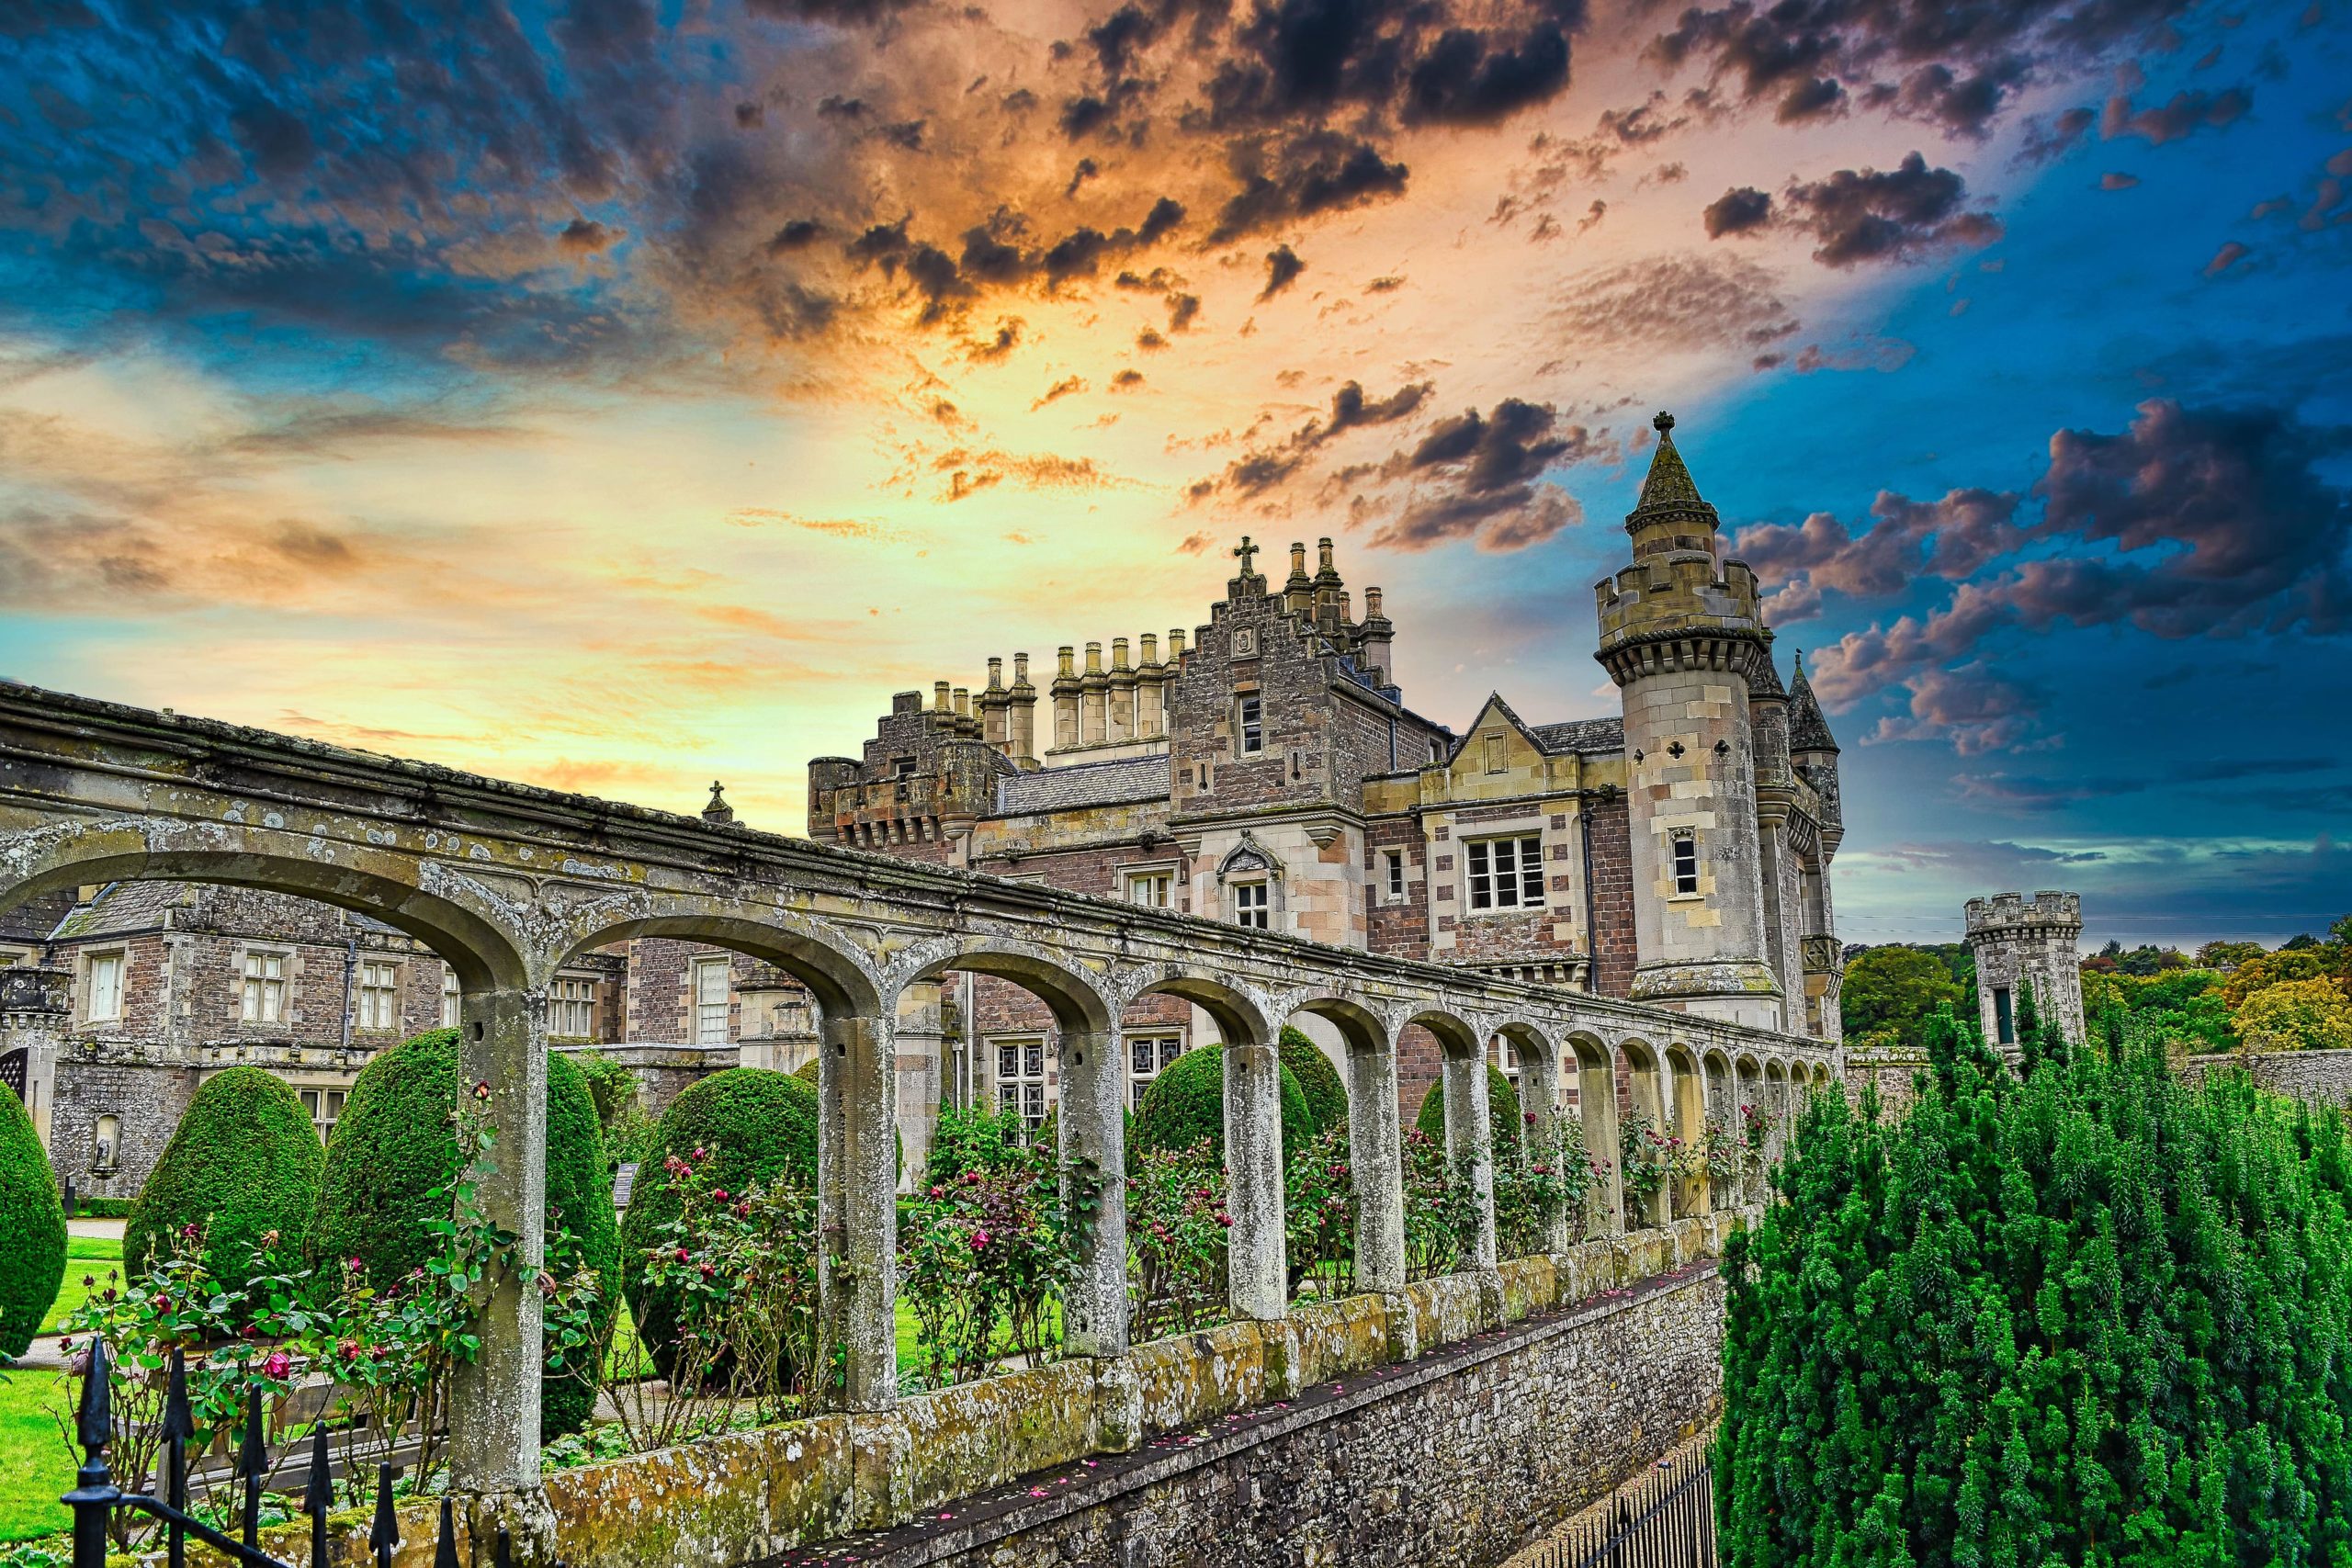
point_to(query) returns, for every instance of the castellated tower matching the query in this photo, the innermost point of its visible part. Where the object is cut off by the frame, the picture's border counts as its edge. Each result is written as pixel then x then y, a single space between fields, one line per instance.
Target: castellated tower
pixel 1681 635
pixel 2016 940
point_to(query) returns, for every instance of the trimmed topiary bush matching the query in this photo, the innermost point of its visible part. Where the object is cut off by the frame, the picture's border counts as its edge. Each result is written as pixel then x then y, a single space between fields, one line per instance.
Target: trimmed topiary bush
pixel 244 1162
pixel 32 1230
pixel 1502 1110
pixel 393 1145
pixel 806 1072
pixel 1186 1103
pixel 1327 1096
pixel 752 1124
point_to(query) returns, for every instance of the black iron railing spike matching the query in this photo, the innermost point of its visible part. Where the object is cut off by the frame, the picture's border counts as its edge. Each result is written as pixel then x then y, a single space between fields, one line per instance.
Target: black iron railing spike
pixel 318 1495
pixel 95 1429
pixel 445 1552
pixel 252 1461
pixel 179 1421
pixel 385 1533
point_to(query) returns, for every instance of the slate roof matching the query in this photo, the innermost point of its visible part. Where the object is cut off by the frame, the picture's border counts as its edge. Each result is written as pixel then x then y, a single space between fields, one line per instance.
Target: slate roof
pixel 1808 730
pixel 123 907
pixel 1084 784
pixel 1586 736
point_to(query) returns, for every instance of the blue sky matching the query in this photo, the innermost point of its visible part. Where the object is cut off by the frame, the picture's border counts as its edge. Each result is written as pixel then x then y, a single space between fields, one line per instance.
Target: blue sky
pixel 623 395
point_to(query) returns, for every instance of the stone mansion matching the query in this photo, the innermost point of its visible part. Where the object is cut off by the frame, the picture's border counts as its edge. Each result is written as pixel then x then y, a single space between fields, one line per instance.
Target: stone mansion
pixel 1265 769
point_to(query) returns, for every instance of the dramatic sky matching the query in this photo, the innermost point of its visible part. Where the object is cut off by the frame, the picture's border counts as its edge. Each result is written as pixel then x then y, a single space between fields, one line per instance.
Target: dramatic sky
pixel 627 395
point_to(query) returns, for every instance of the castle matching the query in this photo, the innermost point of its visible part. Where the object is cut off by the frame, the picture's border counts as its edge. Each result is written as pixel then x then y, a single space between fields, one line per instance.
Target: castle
pixel 1265 771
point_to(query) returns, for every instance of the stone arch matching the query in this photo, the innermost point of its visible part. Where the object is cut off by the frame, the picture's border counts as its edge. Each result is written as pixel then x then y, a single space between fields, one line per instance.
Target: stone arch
pixel 1595 1082
pixel 1645 1091
pixel 820 959
pixel 465 919
pixel 1242 1017
pixel 1687 1098
pixel 1747 1086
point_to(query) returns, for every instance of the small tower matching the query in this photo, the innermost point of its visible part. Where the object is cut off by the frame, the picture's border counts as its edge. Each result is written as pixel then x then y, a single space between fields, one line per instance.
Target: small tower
pixel 2017 940
pixel 1681 635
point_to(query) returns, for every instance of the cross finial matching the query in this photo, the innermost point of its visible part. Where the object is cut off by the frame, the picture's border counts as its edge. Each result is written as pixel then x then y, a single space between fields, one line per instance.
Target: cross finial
pixel 1245 550
pixel 1663 423
pixel 717 810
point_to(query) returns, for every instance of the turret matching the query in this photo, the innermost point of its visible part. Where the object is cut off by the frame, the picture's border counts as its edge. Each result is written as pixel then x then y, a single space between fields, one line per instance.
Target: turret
pixel 1681 635
pixel 2019 942
pixel 1813 751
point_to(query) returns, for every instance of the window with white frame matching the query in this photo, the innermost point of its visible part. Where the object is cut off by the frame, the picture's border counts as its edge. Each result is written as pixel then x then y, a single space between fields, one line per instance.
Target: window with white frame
pixel 1686 863
pixel 1020 1080
pixel 380 996
pixel 264 998
pixel 325 1106
pixel 1250 726
pixel 103 995
pixel 1506 873
pixel 1394 879
pixel 451 997
pixel 1252 906
pixel 1503 1052
pixel 711 977
pixel 1149 1056
pixel 1152 889
pixel 571 1008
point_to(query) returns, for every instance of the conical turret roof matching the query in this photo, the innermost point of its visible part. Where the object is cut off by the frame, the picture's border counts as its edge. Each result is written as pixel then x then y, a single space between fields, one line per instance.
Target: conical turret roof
pixel 1808 730
pixel 1669 492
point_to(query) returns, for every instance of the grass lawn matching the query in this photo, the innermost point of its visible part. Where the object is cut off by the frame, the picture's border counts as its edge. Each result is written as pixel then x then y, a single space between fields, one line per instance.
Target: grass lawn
pixel 32 1455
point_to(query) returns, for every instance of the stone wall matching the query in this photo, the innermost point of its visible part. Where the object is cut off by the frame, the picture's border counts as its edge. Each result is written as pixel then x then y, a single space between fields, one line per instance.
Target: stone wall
pixel 1448 1424
pixel 2324 1077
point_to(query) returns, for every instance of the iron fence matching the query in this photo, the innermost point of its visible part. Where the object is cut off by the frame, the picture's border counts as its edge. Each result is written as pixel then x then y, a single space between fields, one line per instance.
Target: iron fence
pixel 96 1499
pixel 1664 1521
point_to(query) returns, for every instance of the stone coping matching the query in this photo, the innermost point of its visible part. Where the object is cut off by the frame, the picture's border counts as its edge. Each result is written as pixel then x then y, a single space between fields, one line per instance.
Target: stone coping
pixel 759 1495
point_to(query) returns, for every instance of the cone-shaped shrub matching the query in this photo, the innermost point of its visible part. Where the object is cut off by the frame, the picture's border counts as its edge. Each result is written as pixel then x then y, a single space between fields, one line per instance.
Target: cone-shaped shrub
pixel 1503 1115
pixel 752 1124
pixel 244 1162
pixel 1326 1097
pixel 395 1144
pixel 2094 1316
pixel 1186 1103
pixel 32 1229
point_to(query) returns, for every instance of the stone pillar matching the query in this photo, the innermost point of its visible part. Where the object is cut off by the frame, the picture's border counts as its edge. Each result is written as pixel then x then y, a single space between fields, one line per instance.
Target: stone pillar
pixel 495 1401
pixel 916 1047
pixel 1093 705
pixel 1093 1155
pixel 1021 719
pixel 857 1256
pixel 1258 1267
pixel 1468 1137
pixel 1376 1162
pixel 1689 1194
pixel 1596 1107
pixel 1539 1092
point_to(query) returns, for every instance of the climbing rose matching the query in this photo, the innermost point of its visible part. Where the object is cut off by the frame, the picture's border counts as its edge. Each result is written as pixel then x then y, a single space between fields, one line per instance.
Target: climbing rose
pixel 482 1089
pixel 278 1364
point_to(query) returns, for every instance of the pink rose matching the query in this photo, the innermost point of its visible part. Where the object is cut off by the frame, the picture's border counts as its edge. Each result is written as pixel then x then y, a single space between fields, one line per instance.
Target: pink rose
pixel 278 1364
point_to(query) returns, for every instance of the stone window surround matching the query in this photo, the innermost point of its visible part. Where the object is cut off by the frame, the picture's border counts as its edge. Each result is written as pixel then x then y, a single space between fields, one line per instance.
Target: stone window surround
pixel 1031 1088
pixel 86 963
pixel 1465 834
pixel 1250 862
pixel 1396 877
pixel 361 991
pixel 1246 700
pixel 289 971
pixel 557 1003
pixel 1173 869
pixel 1675 838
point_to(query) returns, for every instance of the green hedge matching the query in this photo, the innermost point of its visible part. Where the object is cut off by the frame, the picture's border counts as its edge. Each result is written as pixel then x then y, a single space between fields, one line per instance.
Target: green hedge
pixel 1326 1095
pixel 752 1124
pixel 32 1229
pixel 1186 1103
pixel 103 1208
pixel 244 1161
pixel 393 1145
pixel 1502 1110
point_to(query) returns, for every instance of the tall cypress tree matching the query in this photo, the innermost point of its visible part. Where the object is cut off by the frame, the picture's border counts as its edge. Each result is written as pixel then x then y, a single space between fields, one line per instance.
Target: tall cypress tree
pixel 2090 1315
